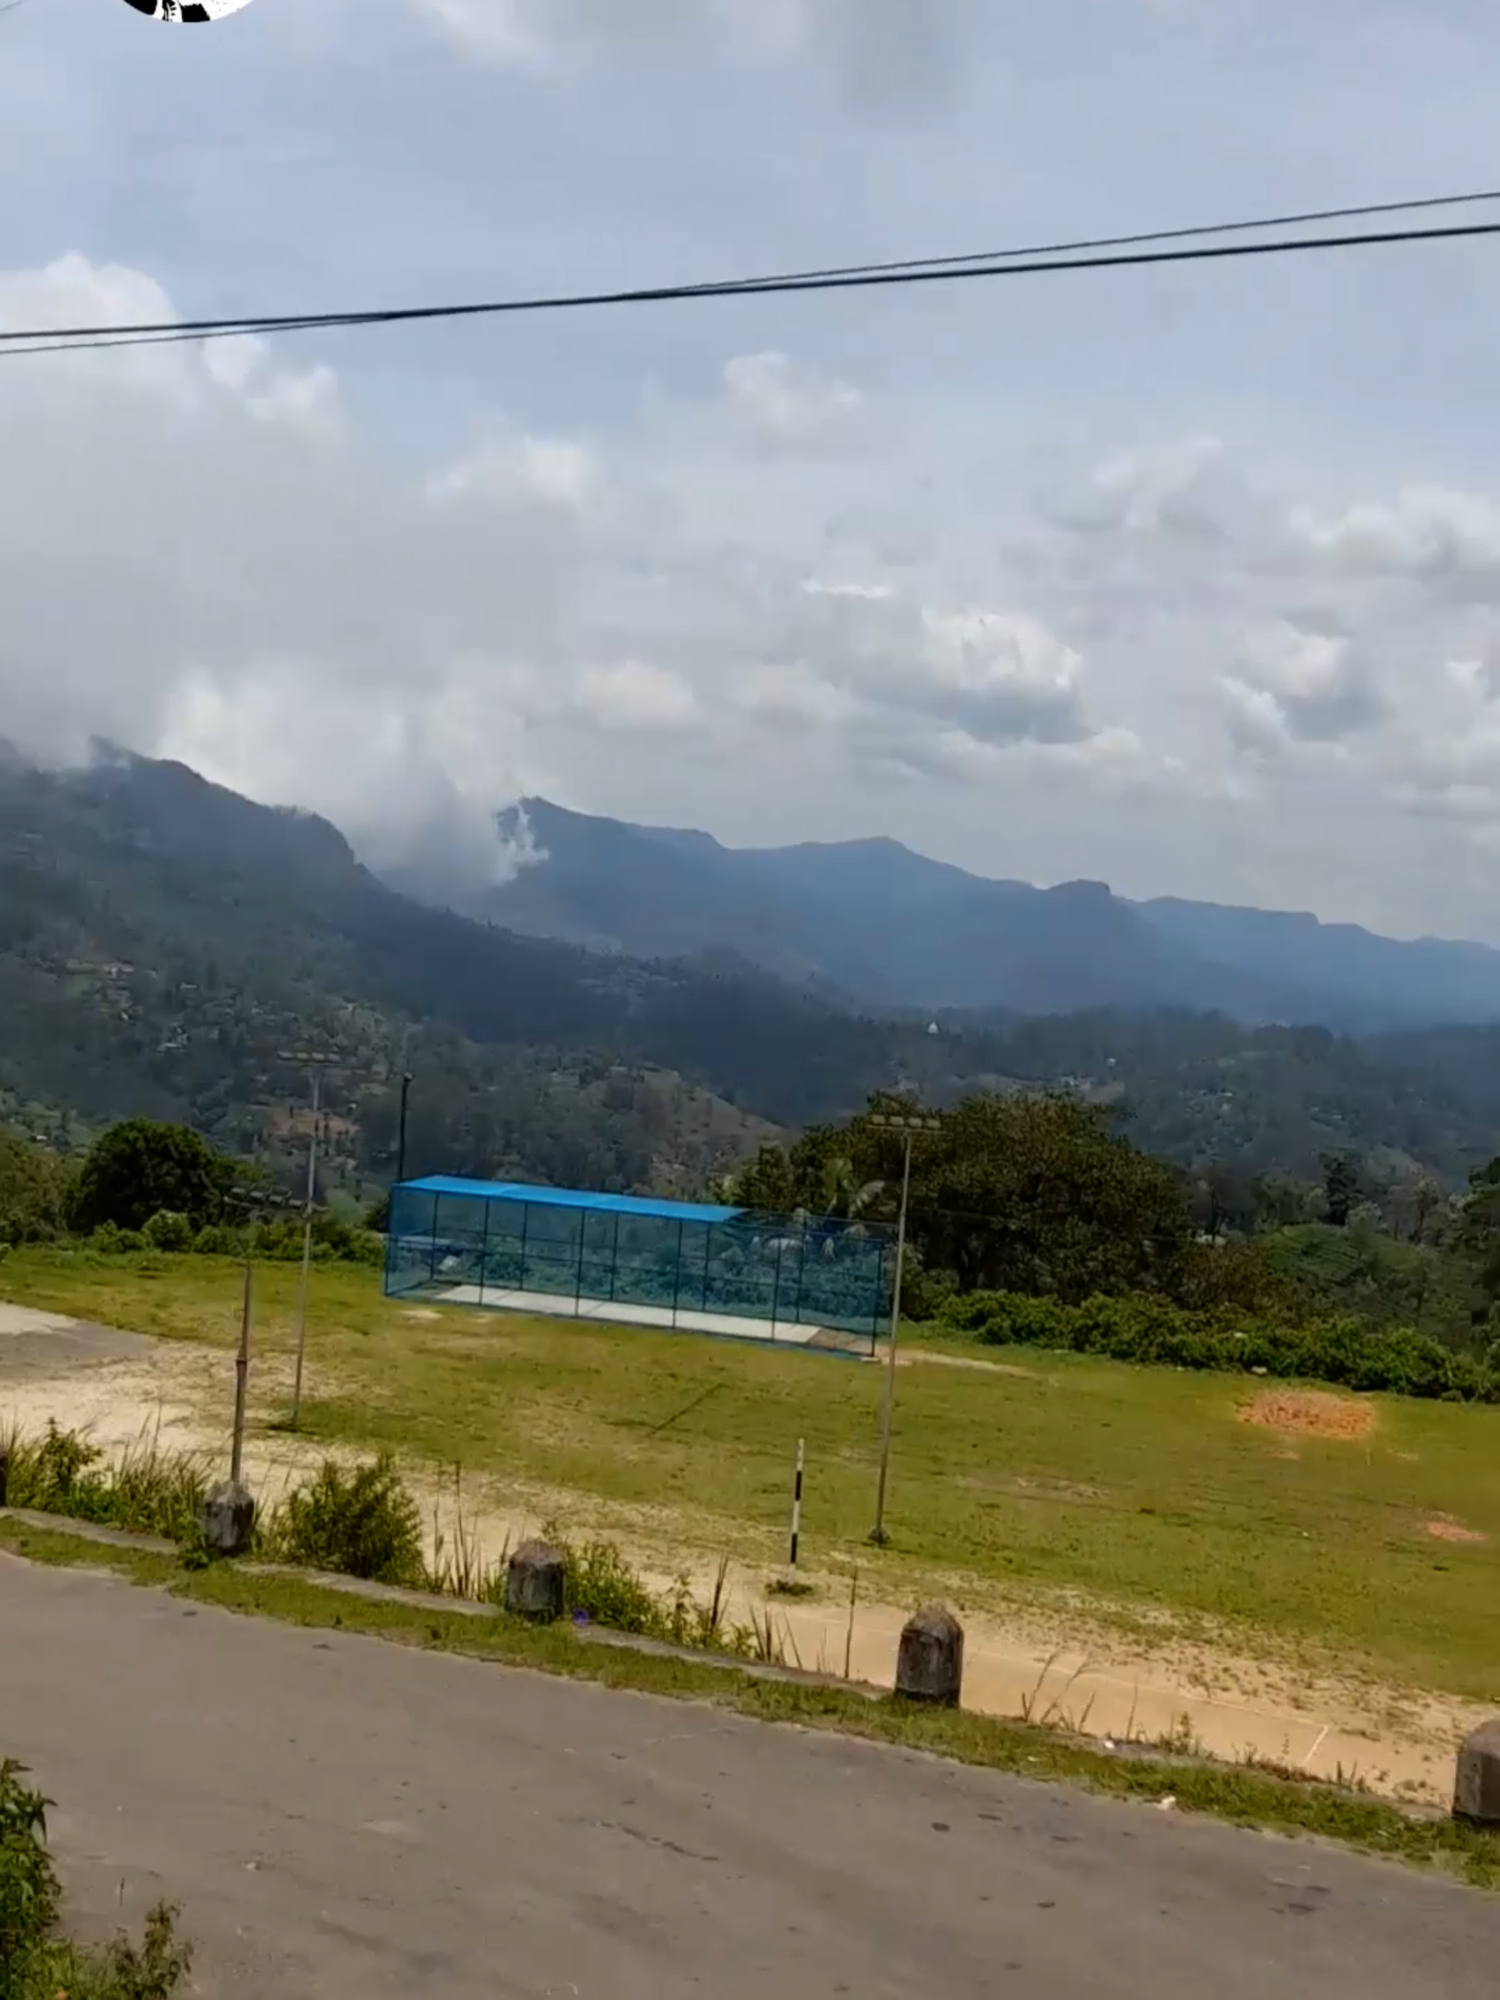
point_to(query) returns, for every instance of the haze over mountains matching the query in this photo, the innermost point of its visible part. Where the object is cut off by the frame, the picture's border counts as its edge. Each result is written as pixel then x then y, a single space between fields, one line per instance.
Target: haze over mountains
pixel 163 940
pixel 879 927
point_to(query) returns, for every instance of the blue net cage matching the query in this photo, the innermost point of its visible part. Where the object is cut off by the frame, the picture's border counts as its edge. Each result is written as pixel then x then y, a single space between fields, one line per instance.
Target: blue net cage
pixel 709 1269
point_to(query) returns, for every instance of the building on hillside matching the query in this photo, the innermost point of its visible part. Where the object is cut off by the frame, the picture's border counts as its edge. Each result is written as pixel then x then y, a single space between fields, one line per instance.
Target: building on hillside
pixel 627 1259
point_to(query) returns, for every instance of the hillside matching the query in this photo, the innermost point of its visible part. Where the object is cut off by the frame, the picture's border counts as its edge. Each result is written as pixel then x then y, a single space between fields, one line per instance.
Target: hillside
pixel 890 929
pixel 162 941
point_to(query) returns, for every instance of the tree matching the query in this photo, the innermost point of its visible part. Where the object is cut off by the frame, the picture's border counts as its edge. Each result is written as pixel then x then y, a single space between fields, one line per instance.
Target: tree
pixel 1012 1193
pixel 137 1169
pixel 1478 1232
pixel 34 1191
pixel 1343 1187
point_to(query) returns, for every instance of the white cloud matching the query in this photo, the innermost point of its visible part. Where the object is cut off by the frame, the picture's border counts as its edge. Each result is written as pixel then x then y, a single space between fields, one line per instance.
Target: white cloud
pixel 205 553
pixel 633 695
pixel 792 408
pixel 892 55
pixel 1433 534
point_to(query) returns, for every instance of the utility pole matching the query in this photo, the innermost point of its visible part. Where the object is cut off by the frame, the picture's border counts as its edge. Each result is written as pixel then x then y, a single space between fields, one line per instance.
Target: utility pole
pixel 910 1126
pixel 316 1064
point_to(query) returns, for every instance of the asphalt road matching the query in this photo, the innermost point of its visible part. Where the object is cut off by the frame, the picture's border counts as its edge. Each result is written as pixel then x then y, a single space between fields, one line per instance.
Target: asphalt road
pixel 341 1818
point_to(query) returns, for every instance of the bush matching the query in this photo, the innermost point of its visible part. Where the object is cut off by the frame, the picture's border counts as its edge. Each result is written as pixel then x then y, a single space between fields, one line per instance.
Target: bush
pixel 113 1241
pixel 219 1240
pixel 362 1524
pixel 148 1492
pixel 29 1894
pixel 169 1231
pixel 37 1965
pixel 602 1587
pixel 1342 1352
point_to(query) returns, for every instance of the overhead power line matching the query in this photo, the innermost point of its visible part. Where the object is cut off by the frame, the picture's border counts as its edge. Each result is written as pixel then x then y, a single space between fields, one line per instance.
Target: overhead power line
pixel 1014 264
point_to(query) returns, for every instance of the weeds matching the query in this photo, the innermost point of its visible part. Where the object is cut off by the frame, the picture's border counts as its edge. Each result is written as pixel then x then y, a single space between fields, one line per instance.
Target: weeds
pixel 147 1491
pixel 365 1523
pixel 37 1965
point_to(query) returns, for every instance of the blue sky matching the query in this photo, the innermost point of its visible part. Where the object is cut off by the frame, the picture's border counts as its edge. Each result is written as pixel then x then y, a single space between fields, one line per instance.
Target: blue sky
pixel 1186 580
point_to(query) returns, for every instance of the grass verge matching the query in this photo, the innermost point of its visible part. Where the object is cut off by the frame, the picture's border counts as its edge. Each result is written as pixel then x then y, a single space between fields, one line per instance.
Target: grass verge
pixel 1241 1796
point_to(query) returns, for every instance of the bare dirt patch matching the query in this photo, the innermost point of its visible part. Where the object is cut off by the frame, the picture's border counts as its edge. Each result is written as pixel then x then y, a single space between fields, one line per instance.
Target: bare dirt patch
pixel 1445 1529
pixel 1309 1413
pixel 916 1357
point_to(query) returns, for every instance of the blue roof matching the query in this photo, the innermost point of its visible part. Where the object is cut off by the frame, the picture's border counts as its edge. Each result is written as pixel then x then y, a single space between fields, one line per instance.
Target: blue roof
pixel 544 1197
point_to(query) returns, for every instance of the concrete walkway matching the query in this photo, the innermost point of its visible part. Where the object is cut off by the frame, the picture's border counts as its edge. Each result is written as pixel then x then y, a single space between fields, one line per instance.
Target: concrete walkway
pixel 342 1818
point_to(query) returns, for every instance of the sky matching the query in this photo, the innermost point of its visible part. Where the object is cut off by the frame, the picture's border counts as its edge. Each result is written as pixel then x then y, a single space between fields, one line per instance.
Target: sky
pixel 1185 580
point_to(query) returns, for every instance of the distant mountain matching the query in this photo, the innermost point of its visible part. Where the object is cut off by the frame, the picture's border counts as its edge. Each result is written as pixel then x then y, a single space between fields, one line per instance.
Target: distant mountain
pixel 880 927
pixel 162 940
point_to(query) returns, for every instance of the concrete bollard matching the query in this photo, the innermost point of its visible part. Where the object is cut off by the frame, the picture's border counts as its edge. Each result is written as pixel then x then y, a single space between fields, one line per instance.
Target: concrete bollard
pixel 930 1664
pixel 1476 1795
pixel 535 1583
pixel 227 1519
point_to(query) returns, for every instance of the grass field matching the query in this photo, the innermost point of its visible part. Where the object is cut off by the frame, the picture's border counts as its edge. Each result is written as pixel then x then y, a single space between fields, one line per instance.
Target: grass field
pixel 1142 1488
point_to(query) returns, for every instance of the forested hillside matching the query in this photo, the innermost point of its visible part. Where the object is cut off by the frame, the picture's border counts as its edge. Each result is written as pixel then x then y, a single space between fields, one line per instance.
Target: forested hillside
pixel 164 944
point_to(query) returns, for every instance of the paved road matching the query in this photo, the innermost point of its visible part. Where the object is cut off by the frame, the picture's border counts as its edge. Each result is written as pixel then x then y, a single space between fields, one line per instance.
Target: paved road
pixel 344 1819
pixel 37 1343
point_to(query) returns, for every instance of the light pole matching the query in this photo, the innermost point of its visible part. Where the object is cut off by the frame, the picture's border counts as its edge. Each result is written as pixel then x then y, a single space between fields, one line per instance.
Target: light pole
pixel 401 1139
pixel 910 1126
pixel 317 1064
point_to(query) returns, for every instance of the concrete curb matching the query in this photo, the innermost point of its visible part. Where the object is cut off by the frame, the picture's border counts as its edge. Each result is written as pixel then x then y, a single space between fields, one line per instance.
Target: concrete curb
pixel 462 1607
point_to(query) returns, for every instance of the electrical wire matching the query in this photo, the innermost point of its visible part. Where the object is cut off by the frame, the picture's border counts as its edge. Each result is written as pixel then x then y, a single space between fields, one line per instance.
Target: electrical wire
pixel 46 340
pixel 1080 244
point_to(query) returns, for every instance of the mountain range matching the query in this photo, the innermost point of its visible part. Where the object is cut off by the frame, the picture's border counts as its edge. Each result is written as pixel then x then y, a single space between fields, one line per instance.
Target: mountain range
pixel 167 948
pixel 873 925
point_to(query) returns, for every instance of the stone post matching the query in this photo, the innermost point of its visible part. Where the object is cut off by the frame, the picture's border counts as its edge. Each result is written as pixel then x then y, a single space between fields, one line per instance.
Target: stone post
pixel 227 1519
pixel 1476 1795
pixel 535 1583
pixel 930 1664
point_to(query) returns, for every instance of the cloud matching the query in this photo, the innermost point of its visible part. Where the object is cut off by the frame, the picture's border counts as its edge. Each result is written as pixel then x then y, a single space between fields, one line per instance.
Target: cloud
pixel 792 408
pixel 206 554
pixel 1429 534
pixel 894 57
pixel 1292 686
pixel 634 696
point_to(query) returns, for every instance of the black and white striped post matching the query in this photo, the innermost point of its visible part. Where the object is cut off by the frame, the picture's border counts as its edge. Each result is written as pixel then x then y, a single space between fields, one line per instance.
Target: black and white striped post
pixel 797 1505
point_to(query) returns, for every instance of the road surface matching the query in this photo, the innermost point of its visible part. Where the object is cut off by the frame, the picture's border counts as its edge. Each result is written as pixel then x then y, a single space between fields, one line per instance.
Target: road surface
pixel 343 1818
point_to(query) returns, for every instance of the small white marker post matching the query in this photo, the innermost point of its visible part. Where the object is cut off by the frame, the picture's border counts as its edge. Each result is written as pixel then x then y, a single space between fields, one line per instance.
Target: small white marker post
pixel 797 1507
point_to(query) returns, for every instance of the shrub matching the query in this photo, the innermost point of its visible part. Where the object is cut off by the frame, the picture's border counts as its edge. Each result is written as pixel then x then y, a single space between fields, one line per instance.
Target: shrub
pixel 602 1587
pixel 1342 1352
pixel 148 1492
pixel 219 1240
pixel 112 1241
pixel 29 1894
pixel 37 1965
pixel 169 1231
pixel 363 1523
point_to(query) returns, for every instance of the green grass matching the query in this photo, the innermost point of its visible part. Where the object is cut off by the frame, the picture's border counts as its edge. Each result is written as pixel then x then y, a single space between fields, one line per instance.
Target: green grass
pixel 1239 1795
pixel 1137 1486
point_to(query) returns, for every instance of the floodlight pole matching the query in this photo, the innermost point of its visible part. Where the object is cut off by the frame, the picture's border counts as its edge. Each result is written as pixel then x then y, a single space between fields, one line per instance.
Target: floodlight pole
pixel 909 1127
pixel 317 1064
pixel 401 1140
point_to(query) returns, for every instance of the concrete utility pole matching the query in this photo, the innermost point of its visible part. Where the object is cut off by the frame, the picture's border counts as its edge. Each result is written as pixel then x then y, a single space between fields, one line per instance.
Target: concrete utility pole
pixel 316 1064
pixel 910 1126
